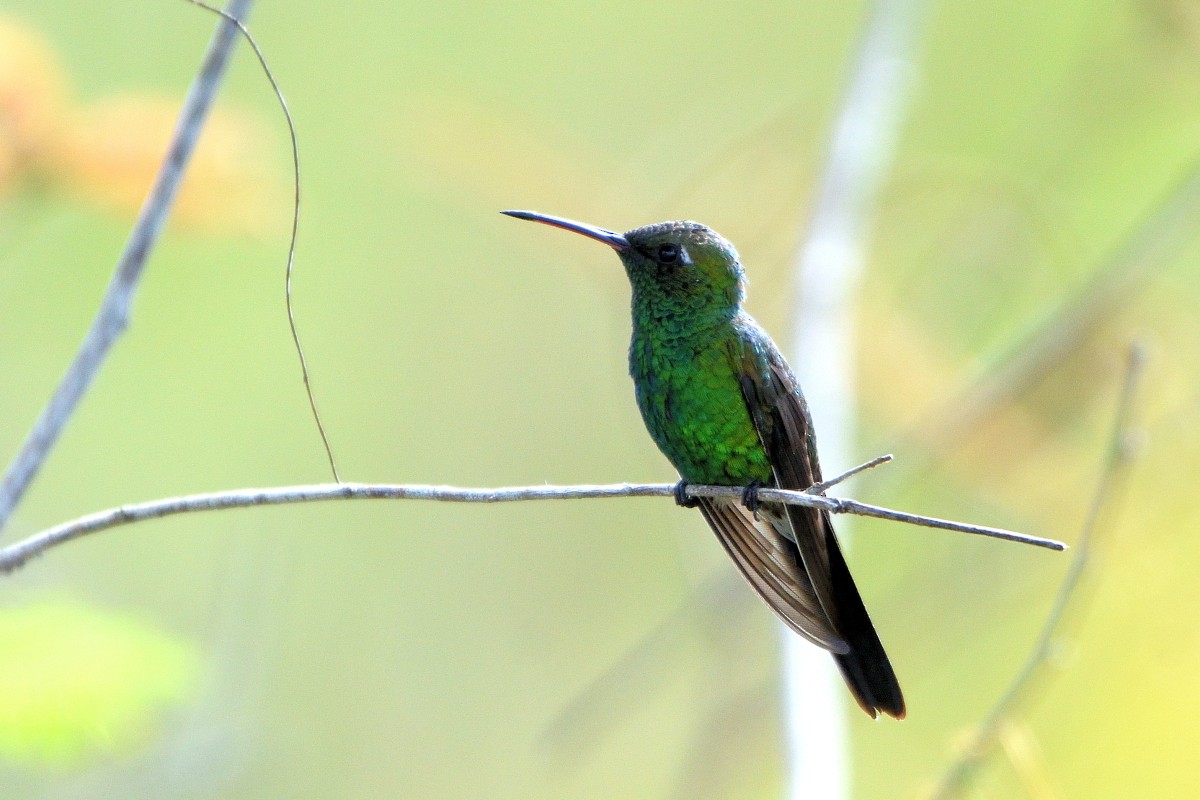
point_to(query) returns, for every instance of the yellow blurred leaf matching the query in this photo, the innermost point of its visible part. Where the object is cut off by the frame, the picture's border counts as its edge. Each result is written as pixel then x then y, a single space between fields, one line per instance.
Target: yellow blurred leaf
pixel 76 679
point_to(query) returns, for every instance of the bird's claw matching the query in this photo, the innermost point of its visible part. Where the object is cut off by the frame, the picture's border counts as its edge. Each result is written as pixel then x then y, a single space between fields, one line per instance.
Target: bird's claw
pixel 681 496
pixel 750 497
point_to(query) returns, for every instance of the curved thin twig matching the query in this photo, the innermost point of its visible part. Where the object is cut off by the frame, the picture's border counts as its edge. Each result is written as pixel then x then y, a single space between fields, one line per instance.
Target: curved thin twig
pixel 291 253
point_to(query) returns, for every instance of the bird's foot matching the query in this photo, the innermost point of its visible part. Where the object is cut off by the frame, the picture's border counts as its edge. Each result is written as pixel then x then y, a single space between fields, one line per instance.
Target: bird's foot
pixel 681 496
pixel 750 497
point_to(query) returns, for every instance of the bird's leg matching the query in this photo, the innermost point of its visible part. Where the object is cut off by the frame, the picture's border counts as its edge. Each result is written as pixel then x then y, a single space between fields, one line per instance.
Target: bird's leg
pixel 681 495
pixel 750 497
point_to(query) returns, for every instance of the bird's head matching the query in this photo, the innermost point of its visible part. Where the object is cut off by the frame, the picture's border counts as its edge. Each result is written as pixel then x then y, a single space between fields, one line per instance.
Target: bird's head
pixel 676 268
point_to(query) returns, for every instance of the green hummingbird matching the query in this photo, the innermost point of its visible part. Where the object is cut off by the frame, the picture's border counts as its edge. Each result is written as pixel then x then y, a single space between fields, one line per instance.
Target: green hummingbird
pixel 723 406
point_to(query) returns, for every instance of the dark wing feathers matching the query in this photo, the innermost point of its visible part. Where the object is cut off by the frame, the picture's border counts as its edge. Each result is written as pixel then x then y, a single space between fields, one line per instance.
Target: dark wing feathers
pixel 793 458
pixel 785 430
pixel 768 562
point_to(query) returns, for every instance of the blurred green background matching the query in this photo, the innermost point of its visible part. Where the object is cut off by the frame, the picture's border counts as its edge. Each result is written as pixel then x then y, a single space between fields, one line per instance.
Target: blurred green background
pixel 583 649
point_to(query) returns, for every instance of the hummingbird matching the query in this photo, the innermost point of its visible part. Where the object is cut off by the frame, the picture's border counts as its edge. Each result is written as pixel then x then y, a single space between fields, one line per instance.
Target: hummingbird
pixel 723 406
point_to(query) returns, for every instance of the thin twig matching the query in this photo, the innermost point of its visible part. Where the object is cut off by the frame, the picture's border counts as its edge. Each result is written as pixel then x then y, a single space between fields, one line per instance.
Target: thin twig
pixel 1120 453
pixel 113 316
pixel 291 253
pixel 823 486
pixel 15 555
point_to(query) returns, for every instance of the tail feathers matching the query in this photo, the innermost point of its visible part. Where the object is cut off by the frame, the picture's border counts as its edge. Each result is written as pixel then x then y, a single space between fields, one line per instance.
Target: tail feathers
pixel 872 683
pixel 866 668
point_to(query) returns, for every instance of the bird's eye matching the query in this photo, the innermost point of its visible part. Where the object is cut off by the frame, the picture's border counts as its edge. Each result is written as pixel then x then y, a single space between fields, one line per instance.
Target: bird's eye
pixel 668 253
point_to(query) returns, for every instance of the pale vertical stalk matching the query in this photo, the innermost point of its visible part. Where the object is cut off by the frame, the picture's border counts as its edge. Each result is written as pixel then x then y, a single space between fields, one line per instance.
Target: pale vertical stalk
pixel 828 266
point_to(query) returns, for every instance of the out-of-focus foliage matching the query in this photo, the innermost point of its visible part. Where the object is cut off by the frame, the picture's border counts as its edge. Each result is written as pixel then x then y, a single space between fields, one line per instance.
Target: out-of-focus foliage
pixel 116 147
pixel 404 650
pixel 108 151
pixel 78 680
pixel 32 98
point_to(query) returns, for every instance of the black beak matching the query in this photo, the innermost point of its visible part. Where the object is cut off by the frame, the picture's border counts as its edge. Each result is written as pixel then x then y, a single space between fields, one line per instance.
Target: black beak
pixel 614 240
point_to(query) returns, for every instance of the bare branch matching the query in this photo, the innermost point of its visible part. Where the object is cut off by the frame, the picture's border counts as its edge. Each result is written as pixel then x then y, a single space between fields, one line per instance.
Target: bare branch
pixel 843 505
pixel 1120 454
pixel 15 555
pixel 823 486
pixel 113 316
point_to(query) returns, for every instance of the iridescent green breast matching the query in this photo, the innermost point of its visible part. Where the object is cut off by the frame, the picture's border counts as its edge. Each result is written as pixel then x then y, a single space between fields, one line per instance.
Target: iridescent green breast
pixel 691 401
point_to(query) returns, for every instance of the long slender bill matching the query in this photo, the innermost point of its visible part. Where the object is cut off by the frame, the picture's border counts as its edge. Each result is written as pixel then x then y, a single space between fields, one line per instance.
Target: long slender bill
pixel 614 240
